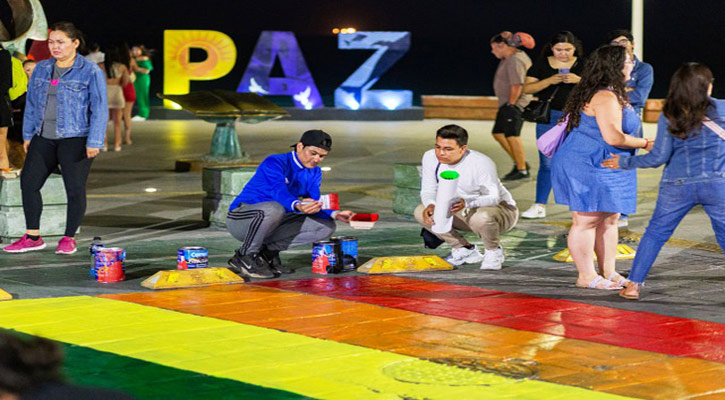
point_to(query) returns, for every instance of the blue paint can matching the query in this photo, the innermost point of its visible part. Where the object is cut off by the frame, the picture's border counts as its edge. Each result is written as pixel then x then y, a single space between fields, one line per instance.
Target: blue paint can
pixel 347 255
pixel 192 257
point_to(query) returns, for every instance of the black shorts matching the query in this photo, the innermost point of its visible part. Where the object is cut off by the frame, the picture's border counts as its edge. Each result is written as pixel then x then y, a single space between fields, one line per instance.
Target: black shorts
pixel 6 113
pixel 509 121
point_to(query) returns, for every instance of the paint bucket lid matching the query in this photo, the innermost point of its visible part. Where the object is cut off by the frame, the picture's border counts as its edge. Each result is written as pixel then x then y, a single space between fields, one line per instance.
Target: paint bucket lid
pixel 109 249
pixel 363 221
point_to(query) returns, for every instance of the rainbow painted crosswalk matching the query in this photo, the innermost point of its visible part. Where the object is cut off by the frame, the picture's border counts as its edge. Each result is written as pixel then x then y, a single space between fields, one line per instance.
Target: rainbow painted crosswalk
pixel 373 337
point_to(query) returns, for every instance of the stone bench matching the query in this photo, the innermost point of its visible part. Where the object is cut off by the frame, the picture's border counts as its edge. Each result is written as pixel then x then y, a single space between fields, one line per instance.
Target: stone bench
pixel 485 107
pixel 12 218
pixel 406 179
pixel 652 110
pixel 459 107
pixel 222 185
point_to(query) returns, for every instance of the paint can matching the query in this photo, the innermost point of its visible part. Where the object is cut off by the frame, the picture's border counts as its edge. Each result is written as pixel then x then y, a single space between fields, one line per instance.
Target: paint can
pixel 324 257
pixel 330 201
pixel 347 255
pixel 109 264
pixel 192 257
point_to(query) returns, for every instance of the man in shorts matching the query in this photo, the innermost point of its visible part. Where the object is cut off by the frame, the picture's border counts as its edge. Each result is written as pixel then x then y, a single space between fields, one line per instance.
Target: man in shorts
pixel 508 85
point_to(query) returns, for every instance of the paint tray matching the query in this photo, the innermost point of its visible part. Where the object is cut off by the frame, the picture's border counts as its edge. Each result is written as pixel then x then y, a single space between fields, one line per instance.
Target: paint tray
pixel 363 221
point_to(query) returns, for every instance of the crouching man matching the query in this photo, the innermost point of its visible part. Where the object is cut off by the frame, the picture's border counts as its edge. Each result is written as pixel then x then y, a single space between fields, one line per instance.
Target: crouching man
pixel 279 208
pixel 483 205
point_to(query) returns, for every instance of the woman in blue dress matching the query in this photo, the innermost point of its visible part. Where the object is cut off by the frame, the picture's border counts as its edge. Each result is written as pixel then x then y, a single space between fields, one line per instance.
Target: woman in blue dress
pixel 600 123
pixel 690 145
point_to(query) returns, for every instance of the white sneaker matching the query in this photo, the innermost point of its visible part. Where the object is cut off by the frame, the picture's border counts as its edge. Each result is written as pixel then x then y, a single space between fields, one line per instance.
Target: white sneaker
pixel 535 211
pixel 138 118
pixel 493 259
pixel 463 255
pixel 623 221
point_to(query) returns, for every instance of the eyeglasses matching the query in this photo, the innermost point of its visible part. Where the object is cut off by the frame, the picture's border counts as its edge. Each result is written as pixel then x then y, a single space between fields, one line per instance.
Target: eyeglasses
pixel 620 42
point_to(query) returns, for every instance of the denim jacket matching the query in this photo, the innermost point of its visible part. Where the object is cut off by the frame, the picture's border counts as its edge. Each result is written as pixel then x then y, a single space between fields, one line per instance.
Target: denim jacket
pixel 640 81
pixel 700 157
pixel 82 101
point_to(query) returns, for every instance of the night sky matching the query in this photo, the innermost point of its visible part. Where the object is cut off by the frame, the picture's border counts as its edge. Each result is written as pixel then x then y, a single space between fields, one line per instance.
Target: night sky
pixel 449 53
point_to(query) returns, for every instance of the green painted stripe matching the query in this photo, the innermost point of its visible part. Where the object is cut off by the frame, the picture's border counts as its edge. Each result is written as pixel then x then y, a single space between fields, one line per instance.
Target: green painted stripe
pixel 146 380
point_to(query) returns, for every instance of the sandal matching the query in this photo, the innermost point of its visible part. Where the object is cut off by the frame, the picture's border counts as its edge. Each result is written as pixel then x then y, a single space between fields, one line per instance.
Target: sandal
pixel 622 281
pixel 630 295
pixel 600 283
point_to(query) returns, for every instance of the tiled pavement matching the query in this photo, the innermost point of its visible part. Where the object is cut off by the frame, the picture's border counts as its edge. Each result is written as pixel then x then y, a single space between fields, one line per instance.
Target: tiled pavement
pixel 523 332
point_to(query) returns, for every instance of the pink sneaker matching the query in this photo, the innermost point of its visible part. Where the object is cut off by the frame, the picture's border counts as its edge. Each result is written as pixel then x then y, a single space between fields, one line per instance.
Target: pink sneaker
pixel 25 244
pixel 66 245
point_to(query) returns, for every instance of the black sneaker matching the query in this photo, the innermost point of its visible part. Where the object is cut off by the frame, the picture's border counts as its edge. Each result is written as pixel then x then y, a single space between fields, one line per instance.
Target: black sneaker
pixel 514 171
pixel 272 258
pixel 518 176
pixel 250 265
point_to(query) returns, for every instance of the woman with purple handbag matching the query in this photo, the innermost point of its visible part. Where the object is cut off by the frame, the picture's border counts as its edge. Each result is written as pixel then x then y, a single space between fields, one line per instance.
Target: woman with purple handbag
pixel 600 122
pixel 551 78
pixel 691 143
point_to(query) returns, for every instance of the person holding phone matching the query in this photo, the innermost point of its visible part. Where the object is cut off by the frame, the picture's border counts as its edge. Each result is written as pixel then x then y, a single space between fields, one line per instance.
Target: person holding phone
pixel 483 205
pixel 552 76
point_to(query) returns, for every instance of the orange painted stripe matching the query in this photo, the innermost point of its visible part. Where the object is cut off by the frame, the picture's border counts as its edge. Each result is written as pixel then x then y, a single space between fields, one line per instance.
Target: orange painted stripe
pixel 497 349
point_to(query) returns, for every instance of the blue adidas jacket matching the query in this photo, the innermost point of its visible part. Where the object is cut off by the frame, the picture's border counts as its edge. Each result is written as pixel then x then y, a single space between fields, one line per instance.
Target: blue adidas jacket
pixel 282 178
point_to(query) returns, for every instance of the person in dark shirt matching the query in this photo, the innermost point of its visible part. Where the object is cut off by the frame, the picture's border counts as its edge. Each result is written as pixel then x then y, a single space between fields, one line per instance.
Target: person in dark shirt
pixel 6 82
pixel 30 369
pixel 554 73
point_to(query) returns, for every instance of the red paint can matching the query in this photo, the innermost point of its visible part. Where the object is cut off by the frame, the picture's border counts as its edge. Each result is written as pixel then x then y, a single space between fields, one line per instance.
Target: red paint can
pixel 109 264
pixel 330 201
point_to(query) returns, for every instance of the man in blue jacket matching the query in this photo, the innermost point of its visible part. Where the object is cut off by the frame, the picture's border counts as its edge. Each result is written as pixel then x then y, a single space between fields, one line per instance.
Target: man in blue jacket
pixel 638 86
pixel 279 208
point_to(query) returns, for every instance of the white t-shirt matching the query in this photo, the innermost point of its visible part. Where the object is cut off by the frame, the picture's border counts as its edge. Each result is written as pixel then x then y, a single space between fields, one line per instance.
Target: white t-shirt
pixel 478 183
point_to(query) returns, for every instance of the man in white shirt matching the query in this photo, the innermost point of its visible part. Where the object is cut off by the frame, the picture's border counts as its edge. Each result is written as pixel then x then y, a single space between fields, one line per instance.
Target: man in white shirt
pixel 483 204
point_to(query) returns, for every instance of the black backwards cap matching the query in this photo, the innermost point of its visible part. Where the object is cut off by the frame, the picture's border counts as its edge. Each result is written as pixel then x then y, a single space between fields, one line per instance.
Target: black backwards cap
pixel 317 138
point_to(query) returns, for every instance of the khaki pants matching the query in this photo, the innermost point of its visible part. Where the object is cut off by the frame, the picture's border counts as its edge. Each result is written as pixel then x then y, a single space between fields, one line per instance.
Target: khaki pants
pixel 486 222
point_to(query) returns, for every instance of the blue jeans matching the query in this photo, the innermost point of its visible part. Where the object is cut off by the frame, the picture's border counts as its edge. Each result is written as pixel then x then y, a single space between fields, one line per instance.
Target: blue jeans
pixel 673 203
pixel 543 177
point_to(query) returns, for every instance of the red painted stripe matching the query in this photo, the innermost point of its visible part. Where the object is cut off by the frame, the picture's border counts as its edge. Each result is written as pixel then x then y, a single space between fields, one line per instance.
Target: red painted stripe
pixel 630 329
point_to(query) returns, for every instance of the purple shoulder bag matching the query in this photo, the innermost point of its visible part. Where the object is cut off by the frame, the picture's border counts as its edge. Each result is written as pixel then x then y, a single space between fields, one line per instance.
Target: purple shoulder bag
pixel 550 141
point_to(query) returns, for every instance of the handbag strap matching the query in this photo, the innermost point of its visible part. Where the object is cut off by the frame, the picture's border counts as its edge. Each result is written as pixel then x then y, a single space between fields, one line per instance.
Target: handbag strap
pixel 552 94
pixel 714 127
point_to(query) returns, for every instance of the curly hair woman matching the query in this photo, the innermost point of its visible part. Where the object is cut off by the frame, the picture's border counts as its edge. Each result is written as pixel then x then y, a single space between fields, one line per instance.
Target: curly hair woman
pixel 694 156
pixel 600 124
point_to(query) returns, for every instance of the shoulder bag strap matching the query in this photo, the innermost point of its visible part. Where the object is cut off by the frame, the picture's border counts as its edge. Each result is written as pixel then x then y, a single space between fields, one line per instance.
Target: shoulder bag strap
pixel 714 127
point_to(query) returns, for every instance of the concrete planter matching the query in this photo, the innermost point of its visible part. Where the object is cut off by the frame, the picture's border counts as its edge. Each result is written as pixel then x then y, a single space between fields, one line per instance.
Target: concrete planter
pixel 222 185
pixel 12 218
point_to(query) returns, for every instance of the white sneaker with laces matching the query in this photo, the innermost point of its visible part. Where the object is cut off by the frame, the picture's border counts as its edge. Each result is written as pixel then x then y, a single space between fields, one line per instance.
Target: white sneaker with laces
pixel 535 211
pixel 493 259
pixel 463 255
pixel 138 118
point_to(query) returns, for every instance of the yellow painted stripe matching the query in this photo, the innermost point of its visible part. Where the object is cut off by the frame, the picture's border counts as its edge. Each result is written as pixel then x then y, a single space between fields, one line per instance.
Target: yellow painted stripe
pixel 260 356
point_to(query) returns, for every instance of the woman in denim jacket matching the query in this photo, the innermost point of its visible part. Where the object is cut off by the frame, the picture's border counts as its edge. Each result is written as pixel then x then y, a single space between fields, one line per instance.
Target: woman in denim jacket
pixel 64 124
pixel 694 173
